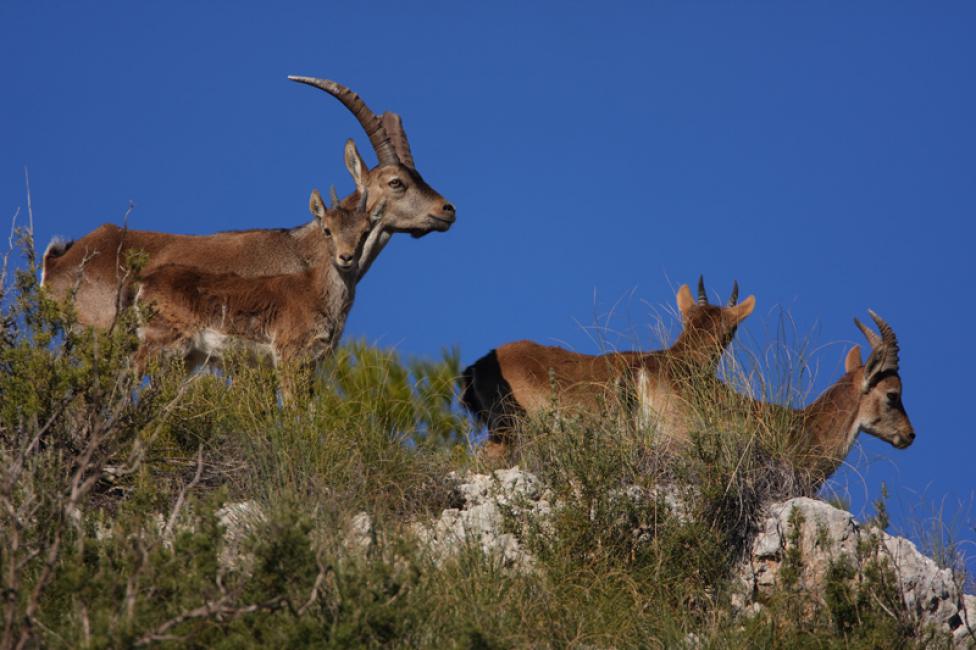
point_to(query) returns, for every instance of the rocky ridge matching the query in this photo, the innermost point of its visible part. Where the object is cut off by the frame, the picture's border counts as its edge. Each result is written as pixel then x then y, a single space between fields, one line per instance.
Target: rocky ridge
pixel 819 533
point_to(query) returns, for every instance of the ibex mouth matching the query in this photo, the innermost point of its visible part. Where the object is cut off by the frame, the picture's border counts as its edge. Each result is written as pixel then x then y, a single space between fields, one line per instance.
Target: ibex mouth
pixel 902 442
pixel 444 220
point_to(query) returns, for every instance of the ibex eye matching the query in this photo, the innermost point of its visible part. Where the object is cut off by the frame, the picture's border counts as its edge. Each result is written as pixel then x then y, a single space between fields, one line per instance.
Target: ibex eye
pixel 396 183
pixel 892 398
pixel 328 233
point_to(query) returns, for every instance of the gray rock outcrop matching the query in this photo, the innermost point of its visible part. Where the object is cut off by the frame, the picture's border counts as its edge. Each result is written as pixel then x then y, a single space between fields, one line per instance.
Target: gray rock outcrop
pixel 492 502
pixel 496 509
pixel 828 535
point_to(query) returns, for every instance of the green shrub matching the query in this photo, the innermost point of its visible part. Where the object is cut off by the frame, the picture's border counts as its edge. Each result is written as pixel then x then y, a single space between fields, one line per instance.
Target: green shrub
pixel 112 491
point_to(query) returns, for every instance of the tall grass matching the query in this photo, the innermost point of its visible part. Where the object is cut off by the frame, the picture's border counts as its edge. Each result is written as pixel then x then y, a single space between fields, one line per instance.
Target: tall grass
pixel 112 490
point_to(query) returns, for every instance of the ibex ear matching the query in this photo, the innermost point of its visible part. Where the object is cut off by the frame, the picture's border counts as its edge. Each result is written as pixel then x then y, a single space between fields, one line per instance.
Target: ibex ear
pixel 685 300
pixel 742 310
pixel 354 163
pixel 315 204
pixel 853 359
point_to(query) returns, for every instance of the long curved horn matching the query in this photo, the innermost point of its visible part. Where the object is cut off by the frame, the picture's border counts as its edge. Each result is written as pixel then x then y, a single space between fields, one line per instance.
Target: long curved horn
pixel 873 339
pixel 734 297
pixel 702 296
pixel 394 128
pixel 378 136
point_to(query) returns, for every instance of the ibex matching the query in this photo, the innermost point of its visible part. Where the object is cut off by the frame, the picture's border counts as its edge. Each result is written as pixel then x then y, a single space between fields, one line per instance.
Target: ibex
pixel 525 378
pixel 94 262
pixel 289 317
pixel 868 398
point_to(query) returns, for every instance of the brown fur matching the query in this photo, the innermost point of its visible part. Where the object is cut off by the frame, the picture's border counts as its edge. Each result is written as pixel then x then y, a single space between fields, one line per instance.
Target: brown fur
pixel 525 377
pixel 296 316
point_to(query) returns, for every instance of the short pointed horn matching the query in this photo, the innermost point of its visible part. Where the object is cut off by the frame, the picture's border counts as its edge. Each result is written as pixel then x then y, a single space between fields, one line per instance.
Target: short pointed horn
pixel 333 196
pixel 363 198
pixel 702 296
pixel 378 136
pixel 734 297
pixel 394 128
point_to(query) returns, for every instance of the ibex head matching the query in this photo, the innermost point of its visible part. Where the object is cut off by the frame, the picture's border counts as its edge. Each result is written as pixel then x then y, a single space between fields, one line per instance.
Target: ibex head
pixel 345 230
pixel 708 327
pixel 880 411
pixel 411 204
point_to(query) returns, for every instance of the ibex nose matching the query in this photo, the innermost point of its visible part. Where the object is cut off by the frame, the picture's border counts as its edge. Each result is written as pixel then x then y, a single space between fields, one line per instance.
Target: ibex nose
pixel 448 209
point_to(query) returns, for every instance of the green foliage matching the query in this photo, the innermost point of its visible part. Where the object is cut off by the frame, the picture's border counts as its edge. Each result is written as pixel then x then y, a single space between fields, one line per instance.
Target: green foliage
pixel 140 554
pixel 792 568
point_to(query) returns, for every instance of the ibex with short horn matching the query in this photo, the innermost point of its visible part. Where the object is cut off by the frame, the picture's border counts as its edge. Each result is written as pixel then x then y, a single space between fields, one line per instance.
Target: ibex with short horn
pixel 524 377
pixel 198 315
pixel 866 398
pixel 94 262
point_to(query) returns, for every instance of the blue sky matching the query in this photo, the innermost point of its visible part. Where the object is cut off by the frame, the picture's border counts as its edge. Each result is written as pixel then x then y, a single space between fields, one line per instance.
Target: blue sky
pixel 823 154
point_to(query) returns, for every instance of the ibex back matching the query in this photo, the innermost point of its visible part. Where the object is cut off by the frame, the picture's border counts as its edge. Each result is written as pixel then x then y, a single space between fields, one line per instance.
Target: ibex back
pixel 525 378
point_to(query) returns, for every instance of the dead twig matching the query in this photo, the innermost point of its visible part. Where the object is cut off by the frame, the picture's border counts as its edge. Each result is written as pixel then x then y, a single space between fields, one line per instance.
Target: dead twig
pixel 175 512
pixel 215 608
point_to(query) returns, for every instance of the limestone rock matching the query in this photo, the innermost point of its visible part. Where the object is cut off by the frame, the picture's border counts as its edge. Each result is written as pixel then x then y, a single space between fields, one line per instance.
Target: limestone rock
pixel 239 520
pixel 492 502
pixel 827 535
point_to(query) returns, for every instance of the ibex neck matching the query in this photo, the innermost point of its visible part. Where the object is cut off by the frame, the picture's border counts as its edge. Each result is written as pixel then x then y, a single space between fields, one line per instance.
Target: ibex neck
pixel 310 243
pixel 332 287
pixel 698 350
pixel 829 423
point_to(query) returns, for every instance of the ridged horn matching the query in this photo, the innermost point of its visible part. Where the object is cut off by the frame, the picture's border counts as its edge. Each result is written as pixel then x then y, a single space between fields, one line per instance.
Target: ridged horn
pixel 734 297
pixel 394 128
pixel 889 340
pixel 362 201
pixel 702 296
pixel 373 126
pixel 873 339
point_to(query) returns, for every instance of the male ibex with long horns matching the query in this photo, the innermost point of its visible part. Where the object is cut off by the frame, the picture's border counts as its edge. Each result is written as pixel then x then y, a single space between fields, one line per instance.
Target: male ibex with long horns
pixel 525 378
pixel 94 263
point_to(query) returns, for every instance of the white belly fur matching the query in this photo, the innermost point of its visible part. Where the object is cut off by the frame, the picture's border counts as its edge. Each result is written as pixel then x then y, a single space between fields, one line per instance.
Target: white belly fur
pixel 211 343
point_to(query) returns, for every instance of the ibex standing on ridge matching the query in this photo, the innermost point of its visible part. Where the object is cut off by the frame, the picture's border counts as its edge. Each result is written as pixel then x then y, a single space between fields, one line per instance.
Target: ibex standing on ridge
pixel 293 316
pixel 411 205
pixel 524 377
pixel 866 398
